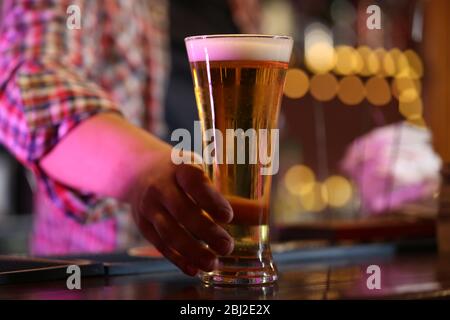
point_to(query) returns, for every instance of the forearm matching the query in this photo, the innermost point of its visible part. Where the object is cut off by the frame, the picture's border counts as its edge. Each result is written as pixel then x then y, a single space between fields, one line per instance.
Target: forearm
pixel 105 155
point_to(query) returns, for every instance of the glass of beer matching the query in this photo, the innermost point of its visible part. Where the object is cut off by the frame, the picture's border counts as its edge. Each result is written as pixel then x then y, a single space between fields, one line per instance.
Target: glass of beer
pixel 238 84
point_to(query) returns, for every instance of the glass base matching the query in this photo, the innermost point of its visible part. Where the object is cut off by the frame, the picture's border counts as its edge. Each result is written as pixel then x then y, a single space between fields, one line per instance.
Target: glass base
pixel 239 278
pixel 238 292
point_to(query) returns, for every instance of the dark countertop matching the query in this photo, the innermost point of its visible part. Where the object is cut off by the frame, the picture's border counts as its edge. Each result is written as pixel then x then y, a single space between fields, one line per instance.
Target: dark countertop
pixel 14 233
pixel 315 275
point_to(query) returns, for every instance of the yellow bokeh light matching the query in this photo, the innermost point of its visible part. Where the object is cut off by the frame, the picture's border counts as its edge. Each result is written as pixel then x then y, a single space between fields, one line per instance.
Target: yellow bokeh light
pixel 414 68
pixel 348 61
pixel 389 64
pixel 320 57
pixel 402 66
pixel 338 191
pixel 297 83
pixel 411 110
pixel 378 91
pixel 315 199
pixel 351 90
pixel 406 90
pixel 371 63
pixel 323 87
pixel 299 179
pixel 399 63
pixel 381 53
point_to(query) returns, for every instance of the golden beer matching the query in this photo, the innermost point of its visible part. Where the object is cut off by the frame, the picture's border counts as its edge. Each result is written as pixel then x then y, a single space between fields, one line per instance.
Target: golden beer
pixel 238 83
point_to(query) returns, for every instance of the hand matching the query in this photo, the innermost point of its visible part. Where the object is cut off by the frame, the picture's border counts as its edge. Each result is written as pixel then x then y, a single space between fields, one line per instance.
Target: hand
pixel 135 167
pixel 168 206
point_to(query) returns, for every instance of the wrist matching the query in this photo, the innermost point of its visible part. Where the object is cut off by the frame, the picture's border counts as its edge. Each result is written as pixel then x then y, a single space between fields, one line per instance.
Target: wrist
pixel 145 169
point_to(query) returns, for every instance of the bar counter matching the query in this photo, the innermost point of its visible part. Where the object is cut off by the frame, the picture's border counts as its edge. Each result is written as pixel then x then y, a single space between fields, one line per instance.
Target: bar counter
pixel 326 273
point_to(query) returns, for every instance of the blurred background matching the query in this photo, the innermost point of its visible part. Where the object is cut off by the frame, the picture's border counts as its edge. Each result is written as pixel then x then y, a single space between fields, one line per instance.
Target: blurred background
pixel 344 82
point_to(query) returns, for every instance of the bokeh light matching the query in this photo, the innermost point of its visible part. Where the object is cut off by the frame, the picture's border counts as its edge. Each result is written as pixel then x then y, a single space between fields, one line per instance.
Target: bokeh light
pixel 297 83
pixel 400 63
pixel 415 65
pixel 371 63
pixel 411 110
pixel 338 191
pixel 315 199
pixel 351 90
pixel 348 61
pixel 299 179
pixel 378 91
pixel 323 87
pixel 320 56
pixel 389 64
pixel 277 17
pixel 381 53
pixel 406 90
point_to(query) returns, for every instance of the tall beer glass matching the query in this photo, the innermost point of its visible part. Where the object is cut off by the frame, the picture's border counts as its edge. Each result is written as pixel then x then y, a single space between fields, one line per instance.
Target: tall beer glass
pixel 238 83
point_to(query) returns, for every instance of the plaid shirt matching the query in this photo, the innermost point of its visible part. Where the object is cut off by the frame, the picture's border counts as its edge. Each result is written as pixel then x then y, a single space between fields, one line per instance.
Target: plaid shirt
pixel 52 78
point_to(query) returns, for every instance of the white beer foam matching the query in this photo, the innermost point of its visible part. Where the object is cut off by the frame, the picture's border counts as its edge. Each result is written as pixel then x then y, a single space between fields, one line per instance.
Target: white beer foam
pixel 239 47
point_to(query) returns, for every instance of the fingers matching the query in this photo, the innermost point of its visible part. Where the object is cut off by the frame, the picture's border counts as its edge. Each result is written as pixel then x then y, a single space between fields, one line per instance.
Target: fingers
pixel 151 235
pixel 171 217
pixel 194 182
pixel 173 235
pixel 198 223
pixel 180 240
